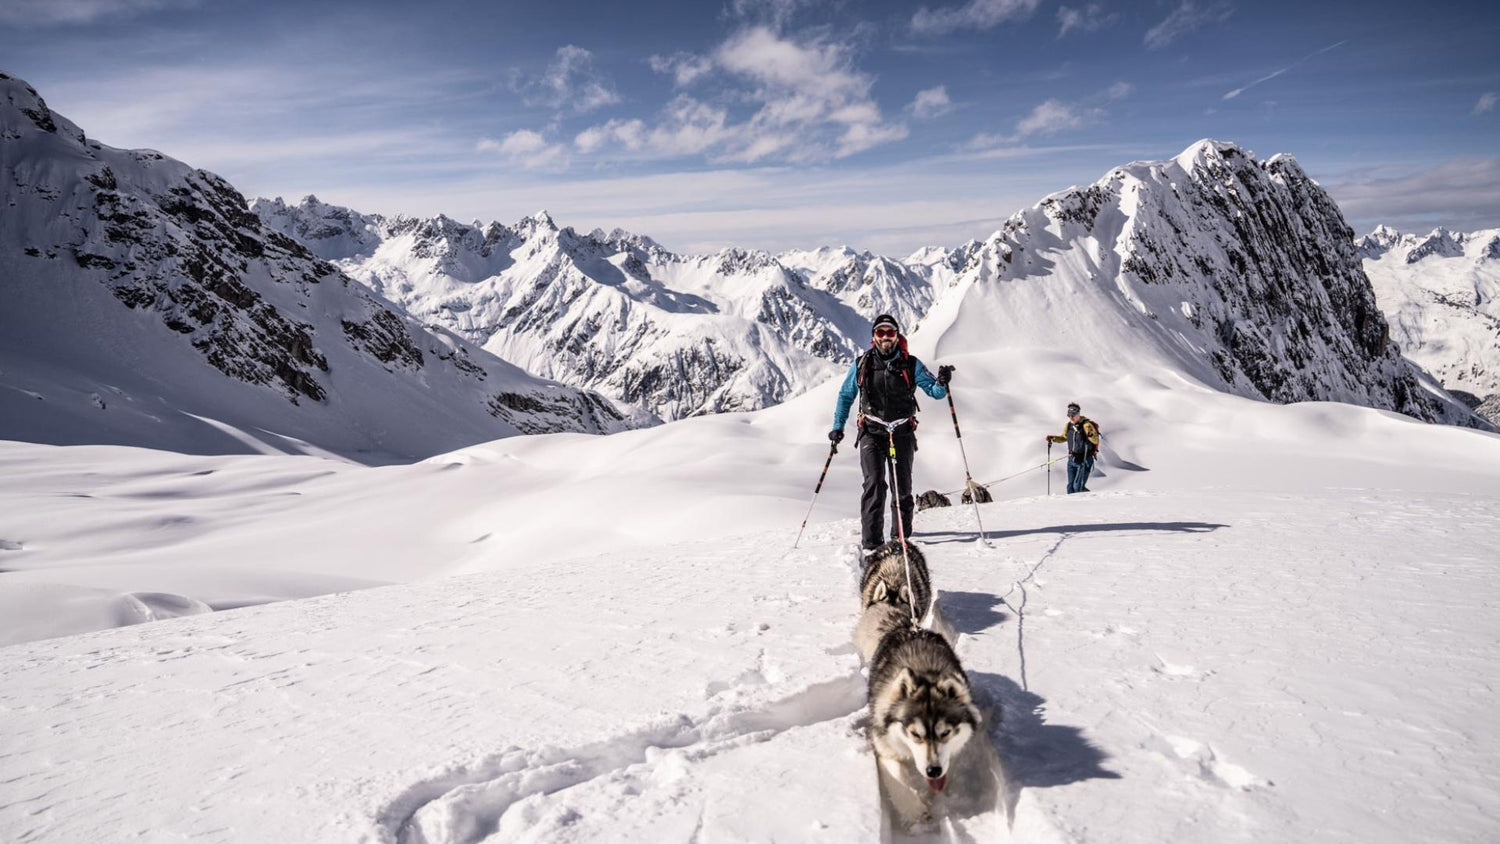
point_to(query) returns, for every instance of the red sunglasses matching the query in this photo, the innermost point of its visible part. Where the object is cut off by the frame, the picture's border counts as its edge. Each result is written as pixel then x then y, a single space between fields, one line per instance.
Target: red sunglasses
pixel 885 332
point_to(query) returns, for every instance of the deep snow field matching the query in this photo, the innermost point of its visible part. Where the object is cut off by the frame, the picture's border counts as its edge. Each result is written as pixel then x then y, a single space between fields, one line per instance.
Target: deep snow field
pixel 1265 623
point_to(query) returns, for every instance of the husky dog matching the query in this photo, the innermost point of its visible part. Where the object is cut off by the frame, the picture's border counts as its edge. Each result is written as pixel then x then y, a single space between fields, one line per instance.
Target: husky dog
pixel 921 718
pixel 875 624
pixel 976 492
pixel 884 579
pixel 932 498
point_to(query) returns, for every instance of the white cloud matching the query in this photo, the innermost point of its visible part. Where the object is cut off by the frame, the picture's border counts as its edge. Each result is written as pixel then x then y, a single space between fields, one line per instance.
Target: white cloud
pixel 1054 116
pixel 1486 103
pixel 976 14
pixel 773 12
pixel 1184 19
pixel 931 103
pixel 529 149
pixel 570 83
pixel 53 12
pixel 1050 118
pixel 1090 18
pixel 685 68
pixel 810 103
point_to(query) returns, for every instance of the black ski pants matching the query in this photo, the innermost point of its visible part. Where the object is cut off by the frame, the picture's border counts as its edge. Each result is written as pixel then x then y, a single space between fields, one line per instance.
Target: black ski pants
pixel 874 462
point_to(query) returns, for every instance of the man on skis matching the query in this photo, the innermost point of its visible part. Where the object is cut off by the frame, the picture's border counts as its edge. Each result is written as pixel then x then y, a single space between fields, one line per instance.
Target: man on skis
pixel 886 379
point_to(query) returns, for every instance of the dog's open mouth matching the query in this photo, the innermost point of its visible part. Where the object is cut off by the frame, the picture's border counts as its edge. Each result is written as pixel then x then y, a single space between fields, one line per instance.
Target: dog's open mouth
pixel 937 783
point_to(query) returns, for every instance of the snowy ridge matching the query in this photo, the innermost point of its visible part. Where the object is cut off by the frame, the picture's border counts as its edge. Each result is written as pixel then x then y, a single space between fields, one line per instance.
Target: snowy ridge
pixel 1441 293
pixel 1239 273
pixel 146 305
pixel 678 335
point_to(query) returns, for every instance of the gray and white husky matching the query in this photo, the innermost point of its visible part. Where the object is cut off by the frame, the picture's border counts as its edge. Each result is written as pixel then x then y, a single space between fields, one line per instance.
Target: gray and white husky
pixel 922 718
pixel 885 579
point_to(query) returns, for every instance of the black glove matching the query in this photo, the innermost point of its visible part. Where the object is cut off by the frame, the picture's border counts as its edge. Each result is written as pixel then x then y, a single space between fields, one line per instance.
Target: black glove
pixel 945 374
pixel 835 437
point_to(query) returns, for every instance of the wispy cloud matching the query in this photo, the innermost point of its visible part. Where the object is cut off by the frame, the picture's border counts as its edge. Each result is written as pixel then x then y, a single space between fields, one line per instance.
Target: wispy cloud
pixel 1486 103
pixel 1055 116
pixel 1090 18
pixel 529 149
pixel 64 12
pixel 976 14
pixel 1461 193
pixel 810 104
pixel 684 68
pixel 1272 75
pixel 930 103
pixel 569 84
pixel 1184 19
pixel 773 13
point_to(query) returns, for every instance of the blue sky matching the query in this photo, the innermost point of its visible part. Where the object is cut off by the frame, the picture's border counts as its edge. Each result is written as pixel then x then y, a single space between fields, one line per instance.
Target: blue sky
pixel 777 123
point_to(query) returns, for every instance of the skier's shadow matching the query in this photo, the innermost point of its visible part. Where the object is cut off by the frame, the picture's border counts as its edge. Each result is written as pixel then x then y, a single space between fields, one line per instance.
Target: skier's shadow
pixel 938 537
pixel 971 612
pixel 1033 753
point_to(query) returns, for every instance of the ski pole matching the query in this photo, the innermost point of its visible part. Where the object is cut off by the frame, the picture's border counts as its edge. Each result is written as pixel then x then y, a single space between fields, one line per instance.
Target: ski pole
pixel 833 448
pixel 968 478
pixel 1049 468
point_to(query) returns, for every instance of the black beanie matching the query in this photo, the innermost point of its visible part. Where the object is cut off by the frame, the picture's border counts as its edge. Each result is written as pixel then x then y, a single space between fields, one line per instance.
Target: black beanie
pixel 884 319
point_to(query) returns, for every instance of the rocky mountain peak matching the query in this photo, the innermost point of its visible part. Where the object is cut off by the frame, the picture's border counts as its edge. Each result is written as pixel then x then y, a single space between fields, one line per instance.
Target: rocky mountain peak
pixel 1249 264
pixel 155 282
pixel 1440 243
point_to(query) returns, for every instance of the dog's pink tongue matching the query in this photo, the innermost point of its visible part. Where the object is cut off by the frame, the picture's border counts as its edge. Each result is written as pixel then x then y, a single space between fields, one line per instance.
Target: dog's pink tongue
pixel 939 783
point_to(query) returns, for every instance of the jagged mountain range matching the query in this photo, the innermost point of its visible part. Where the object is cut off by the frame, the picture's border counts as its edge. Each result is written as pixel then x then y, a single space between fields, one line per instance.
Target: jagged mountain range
pixel 151 305
pixel 676 335
pixel 144 304
pixel 1243 272
pixel 1441 292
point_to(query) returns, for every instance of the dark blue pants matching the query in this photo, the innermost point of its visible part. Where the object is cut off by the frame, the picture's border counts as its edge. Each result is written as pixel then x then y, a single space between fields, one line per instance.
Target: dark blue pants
pixel 1079 466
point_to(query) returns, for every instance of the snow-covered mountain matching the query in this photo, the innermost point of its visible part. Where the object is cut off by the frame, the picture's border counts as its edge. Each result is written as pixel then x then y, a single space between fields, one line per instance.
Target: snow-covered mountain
pixel 1240 269
pixel 1240 273
pixel 1441 293
pixel 143 304
pixel 678 335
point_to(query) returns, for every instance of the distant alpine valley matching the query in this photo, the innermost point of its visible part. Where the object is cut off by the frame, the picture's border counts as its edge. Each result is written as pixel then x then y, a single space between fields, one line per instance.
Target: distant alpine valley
pixel 1441 293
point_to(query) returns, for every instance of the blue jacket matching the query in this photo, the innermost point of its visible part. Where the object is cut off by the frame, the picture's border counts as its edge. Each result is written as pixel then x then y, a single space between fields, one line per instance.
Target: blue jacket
pixel 850 390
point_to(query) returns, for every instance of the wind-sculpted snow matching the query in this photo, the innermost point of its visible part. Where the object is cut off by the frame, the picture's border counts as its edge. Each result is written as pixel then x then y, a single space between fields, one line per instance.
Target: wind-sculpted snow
pixel 1441 294
pixel 140 290
pixel 678 335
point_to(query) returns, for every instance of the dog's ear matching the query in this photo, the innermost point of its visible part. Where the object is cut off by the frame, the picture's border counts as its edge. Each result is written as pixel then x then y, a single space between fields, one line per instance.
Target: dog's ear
pixel 880 593
pixel 906 682
pixel 953 688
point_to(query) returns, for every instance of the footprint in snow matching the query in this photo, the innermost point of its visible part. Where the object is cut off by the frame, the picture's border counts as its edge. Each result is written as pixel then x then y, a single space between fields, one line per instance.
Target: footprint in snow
pixel 471 802
pixel 1206 763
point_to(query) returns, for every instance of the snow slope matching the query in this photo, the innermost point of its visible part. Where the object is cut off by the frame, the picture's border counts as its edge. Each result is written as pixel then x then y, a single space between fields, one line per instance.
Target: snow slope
pixel 1441 294
pixel 1268 622
pixel 143 305
pixel 1210 664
